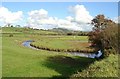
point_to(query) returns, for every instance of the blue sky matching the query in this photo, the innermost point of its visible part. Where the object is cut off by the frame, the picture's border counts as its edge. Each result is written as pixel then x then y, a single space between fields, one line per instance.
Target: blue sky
pixel 61 9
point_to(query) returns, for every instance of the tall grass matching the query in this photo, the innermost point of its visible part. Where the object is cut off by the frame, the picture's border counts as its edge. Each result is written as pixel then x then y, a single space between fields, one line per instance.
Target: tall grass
pixel 107 67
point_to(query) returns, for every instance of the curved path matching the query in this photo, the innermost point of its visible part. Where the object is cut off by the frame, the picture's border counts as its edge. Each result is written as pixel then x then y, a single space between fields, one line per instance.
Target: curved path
pixel 89 55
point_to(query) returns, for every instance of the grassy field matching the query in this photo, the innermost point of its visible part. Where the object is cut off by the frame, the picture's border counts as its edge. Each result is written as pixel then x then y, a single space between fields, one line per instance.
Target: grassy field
pixel 63 43
pixel 25 31
pixel 20 61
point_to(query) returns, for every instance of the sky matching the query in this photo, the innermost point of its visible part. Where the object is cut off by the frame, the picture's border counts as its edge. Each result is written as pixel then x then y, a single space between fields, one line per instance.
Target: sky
pixel 47 15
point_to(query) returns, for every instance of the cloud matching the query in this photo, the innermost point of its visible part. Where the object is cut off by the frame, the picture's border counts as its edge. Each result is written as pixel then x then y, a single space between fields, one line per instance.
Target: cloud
pixel 38 14
pixel 40 19
pixel 7 16
pixel 81 15
pixel 69 18
pixel 79 21
pixel 117 19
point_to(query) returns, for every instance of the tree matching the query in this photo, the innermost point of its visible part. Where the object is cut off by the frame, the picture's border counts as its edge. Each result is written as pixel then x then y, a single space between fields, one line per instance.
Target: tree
pixel 95 35
pixel 104 34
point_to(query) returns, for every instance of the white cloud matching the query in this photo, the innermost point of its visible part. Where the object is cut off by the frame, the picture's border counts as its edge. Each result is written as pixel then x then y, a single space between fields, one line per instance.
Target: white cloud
pixel 117 19
pixel 49 20
pixel 69 18
pixel 69 25
pixel 38 14
pixel 7 16
pixel 79 21
pixel 40 19
pixel 81 15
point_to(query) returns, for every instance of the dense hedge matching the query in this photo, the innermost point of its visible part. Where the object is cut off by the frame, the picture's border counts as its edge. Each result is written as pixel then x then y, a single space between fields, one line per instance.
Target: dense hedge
pixel 78 33
pixel 63 50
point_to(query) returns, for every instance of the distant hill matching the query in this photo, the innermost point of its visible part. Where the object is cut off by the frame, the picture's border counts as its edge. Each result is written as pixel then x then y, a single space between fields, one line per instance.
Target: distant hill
pixel 61 30
pixel 54 31
pixel 26 30
pixel 69 32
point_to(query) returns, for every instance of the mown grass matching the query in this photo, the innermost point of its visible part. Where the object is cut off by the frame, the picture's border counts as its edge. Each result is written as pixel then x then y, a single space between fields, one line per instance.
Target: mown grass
pixel 20 61
pixel 57 42
pixel 63 43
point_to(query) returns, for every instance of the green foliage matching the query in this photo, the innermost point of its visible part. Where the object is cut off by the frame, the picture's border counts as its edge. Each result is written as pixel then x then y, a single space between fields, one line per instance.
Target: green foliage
pixel 107 67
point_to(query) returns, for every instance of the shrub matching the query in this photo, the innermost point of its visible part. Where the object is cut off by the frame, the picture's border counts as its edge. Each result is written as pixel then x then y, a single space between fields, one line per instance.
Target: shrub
pixel 10 35
pixel 69 34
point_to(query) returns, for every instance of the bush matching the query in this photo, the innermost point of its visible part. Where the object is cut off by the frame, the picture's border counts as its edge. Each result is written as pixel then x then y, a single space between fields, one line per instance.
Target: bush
pixel 69 34
pixel 10 35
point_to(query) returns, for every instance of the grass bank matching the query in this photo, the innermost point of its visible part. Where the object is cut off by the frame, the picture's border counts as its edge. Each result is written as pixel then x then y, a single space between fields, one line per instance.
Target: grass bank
pixel 107 67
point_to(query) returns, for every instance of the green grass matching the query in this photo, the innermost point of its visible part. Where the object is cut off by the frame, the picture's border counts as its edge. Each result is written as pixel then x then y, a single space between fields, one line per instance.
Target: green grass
pixel 20 61
pixel 63 42
pixel 25 30
pixel 107 67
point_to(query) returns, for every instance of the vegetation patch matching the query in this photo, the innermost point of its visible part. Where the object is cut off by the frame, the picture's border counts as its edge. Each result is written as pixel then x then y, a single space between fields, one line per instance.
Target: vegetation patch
pixel 19 61
pixel 107 67
pixel 64 44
